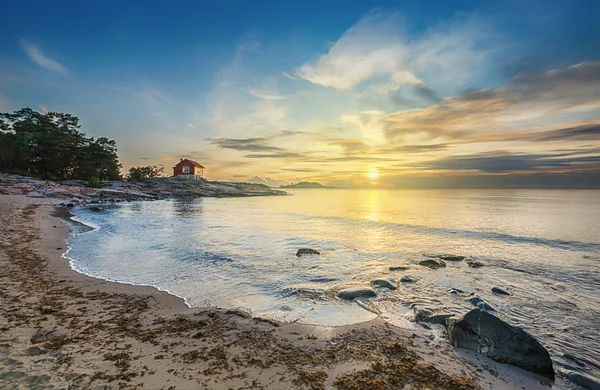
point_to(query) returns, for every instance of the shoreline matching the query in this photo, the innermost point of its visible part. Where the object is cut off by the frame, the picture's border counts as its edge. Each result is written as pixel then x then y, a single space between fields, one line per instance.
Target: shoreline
pixel 97 333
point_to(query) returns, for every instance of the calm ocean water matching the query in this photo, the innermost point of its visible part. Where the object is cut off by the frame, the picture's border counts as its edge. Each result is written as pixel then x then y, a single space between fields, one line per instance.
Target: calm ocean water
pixel 541 245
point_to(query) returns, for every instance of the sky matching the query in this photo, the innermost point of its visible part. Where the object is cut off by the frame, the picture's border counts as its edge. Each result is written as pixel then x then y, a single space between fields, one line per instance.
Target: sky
pixel 402 94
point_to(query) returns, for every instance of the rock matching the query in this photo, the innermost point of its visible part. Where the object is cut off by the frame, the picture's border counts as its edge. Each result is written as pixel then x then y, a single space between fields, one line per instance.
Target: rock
pixel 500 290
pixel 439 319
pixel 398 268
pixel 432 263
pixel 70 205
pixel 408 279
pixel 488 335
pixel 481 303
pixel 455 291
pixel 43 335
pixel 307 251
pixel 353 293
pixel 392 285
pixel 474 264
pixel 421 314
pixel 584 380
pixel 35 194
pixel 451 257
pixel 62 204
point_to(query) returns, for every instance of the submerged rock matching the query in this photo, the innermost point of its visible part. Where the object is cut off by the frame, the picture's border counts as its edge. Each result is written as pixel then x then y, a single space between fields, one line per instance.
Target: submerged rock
pixel 398 268
pixel 432 263
pixel 392 285
pixel 488 335
pixel 353 293
pixel 481 304
pixel 307 251
pixel 408 279
pixel 421 314
pixel 474 264
pixel 451 257
pixel 500 290
pixel 583 380
pixel 439 319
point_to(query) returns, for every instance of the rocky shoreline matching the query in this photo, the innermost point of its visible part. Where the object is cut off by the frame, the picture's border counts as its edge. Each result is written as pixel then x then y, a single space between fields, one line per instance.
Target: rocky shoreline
pixel 77 191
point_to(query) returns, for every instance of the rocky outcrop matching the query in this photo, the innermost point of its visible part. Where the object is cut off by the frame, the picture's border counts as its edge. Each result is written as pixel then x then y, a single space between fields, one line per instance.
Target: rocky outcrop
pixel 488 335
pixel 432 263
pixel 387 283
pixel 353 293
pixel 307 251
pixel 148 189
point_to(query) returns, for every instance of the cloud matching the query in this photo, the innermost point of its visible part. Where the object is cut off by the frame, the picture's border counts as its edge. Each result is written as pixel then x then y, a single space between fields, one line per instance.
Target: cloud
pixel 500 161
pixel 280 154
pixel 509 113
pixel 36 55
pixel 289 76
pixel 264 95
pixel 258 144
pixel 377 48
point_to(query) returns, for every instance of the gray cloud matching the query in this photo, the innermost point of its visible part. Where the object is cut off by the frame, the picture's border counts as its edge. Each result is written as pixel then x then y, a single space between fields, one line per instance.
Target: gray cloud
pixel 280 154
pixel 258 144
pixel 496 162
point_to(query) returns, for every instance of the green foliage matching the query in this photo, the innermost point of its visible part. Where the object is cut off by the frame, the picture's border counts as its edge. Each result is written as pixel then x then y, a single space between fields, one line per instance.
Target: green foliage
pixel 50 146
pixel 139 173
pixel 94 182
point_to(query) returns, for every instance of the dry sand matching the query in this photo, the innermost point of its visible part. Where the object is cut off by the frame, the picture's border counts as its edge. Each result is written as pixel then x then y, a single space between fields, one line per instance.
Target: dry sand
pixel 62 329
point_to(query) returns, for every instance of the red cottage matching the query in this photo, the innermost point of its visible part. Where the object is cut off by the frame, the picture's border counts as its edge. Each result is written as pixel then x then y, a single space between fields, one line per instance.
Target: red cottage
pixel 188 169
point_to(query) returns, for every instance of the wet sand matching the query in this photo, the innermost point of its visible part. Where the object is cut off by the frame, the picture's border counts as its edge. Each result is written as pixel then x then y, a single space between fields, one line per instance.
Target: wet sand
pixel 62 329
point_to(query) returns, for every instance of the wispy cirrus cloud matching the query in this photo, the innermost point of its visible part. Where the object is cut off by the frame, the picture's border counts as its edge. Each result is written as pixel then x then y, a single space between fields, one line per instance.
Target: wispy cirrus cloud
pixel 37 56
pixel 377 48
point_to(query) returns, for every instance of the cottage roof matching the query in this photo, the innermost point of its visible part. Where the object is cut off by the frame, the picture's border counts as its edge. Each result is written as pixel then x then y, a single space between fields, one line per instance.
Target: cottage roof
pixel 194 163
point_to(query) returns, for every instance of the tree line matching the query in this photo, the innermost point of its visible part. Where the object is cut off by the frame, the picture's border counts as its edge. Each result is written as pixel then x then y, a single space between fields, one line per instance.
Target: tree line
pixel 51 146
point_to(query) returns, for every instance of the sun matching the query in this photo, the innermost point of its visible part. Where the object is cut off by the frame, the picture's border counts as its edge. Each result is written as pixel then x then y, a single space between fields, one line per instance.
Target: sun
pixel 373 174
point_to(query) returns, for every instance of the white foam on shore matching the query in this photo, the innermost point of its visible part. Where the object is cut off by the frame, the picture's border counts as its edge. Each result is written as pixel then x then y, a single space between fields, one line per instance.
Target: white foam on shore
pixel 95 228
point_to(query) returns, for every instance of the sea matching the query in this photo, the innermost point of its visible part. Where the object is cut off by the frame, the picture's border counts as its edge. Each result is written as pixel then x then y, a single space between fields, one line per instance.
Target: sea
pixel 542 246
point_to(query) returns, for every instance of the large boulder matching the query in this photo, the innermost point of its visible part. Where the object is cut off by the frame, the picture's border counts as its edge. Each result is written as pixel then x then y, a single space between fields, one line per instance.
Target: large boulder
pixel 488 335
pixel 353 293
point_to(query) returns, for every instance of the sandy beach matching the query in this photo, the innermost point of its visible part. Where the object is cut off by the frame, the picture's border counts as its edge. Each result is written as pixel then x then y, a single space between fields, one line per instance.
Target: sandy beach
pixel 62 329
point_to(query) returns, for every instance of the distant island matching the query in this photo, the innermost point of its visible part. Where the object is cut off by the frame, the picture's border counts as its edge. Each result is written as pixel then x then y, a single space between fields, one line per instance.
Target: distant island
pixel 305 184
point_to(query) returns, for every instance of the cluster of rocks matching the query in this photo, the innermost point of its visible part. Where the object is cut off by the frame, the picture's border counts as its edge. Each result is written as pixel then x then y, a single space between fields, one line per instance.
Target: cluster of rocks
pixel 124 191
pixel 478 330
